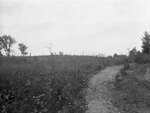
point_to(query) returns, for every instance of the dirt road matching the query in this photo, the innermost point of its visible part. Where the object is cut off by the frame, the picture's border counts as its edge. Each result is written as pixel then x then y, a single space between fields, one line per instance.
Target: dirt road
pixel 98 96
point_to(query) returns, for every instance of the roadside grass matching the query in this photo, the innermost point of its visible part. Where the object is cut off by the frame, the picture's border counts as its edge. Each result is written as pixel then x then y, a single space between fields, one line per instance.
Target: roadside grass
pixel 132 90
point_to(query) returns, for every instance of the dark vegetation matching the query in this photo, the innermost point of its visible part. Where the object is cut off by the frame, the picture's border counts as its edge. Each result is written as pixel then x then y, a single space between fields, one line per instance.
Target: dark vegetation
pixel 57 83
pixel 23 48
pixel 48 84
pixel 132 84
pixel 6 42
pixel 132 89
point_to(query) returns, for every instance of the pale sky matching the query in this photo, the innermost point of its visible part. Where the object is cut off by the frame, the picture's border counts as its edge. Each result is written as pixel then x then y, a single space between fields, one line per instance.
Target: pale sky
pixel 76 26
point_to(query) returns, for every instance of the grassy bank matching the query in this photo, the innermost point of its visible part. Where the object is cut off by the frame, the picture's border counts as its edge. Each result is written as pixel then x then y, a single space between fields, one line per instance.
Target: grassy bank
pixel 132 89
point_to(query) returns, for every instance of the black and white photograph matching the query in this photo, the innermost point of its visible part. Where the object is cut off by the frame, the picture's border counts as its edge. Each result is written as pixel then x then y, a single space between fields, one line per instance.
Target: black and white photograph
pixel 74 56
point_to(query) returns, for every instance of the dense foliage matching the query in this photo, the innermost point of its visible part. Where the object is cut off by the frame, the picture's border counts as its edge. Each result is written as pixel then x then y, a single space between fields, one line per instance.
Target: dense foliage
pixel 23 48
pixel 6 43
pixel 146 43
pixel 30 92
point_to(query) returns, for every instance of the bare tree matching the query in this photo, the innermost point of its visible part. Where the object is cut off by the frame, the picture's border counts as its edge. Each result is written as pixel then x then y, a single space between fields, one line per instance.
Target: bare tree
pixel 49 47
pixel 23 48
pixel 6 43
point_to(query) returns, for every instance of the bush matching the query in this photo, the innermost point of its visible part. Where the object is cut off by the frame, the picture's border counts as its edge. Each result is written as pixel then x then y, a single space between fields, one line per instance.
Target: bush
pixel 142 58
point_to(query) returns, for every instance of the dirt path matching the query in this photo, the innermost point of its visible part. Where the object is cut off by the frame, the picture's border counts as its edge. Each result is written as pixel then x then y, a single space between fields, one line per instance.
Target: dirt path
pixel 98 96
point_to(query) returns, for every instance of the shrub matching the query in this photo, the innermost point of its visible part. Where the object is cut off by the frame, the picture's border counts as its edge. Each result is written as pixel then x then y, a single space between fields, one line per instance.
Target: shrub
pixel 142 58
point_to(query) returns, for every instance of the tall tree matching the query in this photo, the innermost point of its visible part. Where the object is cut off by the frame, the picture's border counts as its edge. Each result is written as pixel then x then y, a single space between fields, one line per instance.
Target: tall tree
pixel 146 43
pixel 23 48
pixel 6 43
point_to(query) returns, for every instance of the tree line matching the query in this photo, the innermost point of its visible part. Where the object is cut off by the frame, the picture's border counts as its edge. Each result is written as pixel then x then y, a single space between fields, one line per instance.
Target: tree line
pixel 6 43
pixel 145 45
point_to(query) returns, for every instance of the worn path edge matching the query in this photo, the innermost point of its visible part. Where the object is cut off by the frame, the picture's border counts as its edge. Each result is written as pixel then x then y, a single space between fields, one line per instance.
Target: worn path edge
pixel 98 96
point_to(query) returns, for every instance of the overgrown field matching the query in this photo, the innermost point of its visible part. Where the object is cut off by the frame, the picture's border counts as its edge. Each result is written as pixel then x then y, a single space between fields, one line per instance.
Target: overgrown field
pixel 132 89
pixel 48 84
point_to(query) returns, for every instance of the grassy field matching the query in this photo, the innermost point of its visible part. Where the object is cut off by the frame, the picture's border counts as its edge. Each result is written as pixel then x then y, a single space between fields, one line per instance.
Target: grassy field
pixel 132 91
pixel 48 84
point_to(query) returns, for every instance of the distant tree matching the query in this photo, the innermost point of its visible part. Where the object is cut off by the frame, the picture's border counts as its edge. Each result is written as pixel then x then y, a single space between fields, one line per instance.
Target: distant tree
pixel 6 43
pixel 115 55
pixel 1 49
pixel 133 52
pixel 1 53
pixel 23 48
pixel 146 43
pixel 61 53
